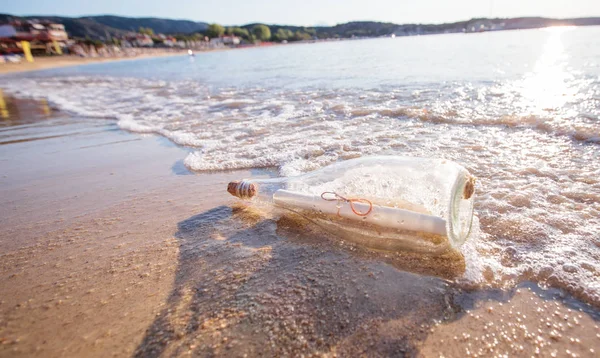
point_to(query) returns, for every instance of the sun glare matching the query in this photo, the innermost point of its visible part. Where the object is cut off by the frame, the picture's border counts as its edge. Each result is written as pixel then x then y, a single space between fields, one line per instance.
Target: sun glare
pixel 550 85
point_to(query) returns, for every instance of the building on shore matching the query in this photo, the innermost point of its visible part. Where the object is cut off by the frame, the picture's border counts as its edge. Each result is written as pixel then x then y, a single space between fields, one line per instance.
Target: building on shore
pixel 43 36
pixel 225 41
pixel 484 25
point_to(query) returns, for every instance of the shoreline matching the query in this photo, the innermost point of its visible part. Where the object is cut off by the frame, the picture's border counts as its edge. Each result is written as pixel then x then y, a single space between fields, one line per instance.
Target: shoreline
pixel 106 253
pixel 45 63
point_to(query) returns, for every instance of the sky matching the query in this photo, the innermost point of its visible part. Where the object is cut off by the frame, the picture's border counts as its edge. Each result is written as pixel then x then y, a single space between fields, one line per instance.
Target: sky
pixel 307 12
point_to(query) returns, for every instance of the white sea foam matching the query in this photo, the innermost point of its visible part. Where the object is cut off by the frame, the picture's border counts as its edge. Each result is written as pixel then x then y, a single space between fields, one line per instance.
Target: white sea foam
pixel 538 192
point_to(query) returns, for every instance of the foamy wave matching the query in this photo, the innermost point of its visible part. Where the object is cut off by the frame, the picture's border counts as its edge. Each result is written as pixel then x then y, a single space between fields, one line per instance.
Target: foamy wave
pixel 538 204
pixel 128 123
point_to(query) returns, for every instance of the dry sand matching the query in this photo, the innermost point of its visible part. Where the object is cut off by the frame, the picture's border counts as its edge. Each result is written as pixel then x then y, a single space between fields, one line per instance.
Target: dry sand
pixel 44 63
pixel 109 246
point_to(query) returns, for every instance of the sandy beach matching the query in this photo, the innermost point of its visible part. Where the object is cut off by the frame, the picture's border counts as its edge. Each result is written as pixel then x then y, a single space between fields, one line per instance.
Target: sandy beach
pixel 44 63
pixel 110 246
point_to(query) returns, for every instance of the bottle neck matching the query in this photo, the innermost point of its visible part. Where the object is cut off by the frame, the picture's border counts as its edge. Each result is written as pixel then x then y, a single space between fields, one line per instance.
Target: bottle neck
pixel 243 189
pixel 261 189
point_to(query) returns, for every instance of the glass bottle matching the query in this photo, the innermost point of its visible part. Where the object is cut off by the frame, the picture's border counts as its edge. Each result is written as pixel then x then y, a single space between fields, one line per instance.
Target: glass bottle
pixel 384 202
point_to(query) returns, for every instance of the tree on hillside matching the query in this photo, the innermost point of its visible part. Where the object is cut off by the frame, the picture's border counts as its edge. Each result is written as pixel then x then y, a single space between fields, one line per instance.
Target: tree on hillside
pixel 146 31
pixel 310 31
pixel 301 36
pixel 239 32
pixel 283 35
pixel 243 33
pixel 215 30
pixel 261 32
pixel 197 37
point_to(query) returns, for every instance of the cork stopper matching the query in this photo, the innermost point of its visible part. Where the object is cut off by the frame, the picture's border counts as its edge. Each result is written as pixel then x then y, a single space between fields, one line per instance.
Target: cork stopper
pixel 242 189
pixel 469 188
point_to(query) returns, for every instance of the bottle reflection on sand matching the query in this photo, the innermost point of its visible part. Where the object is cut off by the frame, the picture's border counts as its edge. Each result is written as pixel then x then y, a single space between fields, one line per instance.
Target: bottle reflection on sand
pixel 17 111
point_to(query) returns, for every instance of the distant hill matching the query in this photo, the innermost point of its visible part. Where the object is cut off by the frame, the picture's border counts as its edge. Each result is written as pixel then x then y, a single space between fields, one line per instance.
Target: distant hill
pixel 98 27
pixel 377 29
pixel 165 26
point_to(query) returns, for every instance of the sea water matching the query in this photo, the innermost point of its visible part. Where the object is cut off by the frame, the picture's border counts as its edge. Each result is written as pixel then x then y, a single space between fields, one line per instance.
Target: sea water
pixel 519 109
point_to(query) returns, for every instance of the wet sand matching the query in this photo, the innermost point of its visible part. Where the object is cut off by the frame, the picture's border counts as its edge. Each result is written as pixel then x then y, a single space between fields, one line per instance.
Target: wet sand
pixel 44 63
pixel 110 246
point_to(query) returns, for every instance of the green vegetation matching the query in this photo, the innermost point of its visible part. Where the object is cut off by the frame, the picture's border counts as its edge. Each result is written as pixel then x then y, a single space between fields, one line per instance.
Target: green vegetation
pixel 301 36
pixel 215 30
pixel 261 32
pixel 91 42
pixel 283 35
pixel 180 37
pixel 289 33
pixel 189 37
pixel 146 31
pixel 239 32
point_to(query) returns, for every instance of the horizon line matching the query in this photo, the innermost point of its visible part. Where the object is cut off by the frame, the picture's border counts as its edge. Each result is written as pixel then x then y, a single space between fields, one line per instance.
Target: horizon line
pixel 295 25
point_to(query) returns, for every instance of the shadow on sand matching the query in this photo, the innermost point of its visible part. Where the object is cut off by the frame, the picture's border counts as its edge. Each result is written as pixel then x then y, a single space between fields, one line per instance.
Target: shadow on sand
pixel 252 286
